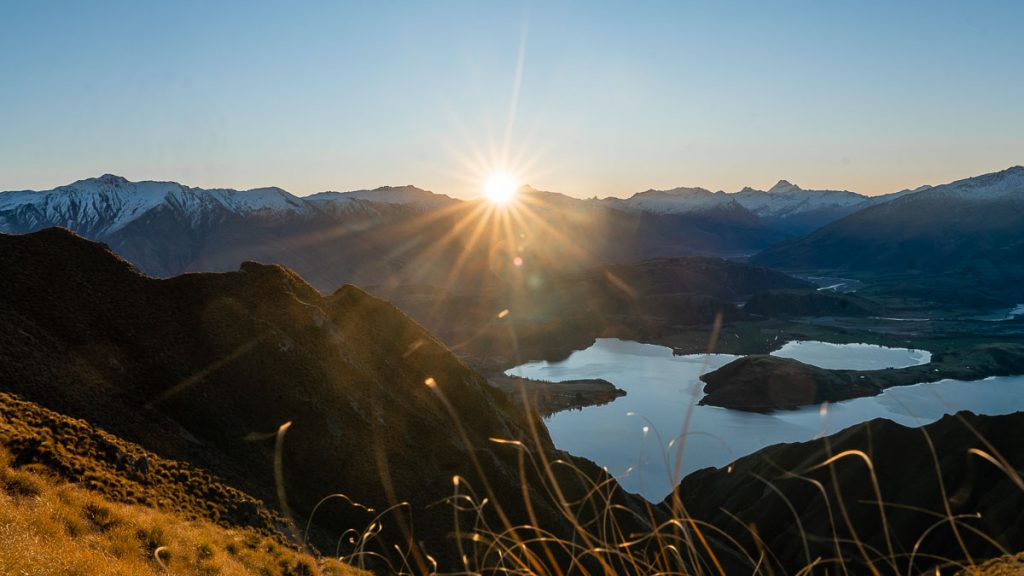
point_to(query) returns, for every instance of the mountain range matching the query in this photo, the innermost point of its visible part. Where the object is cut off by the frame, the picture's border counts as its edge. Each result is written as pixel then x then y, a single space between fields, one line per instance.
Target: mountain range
pixel 388 236
pixel 964 236
pixel 392 238
pixel 785 207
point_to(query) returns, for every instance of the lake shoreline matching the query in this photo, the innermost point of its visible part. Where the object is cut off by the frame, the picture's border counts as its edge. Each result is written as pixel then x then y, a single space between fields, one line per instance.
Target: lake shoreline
pixel 763 383
pixel 548 397
pixel 634 435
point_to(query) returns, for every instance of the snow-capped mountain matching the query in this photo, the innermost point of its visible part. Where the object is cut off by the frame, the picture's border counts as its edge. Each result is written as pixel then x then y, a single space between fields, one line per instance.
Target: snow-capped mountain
pixel 785 198
pixel 974 225
pixel 409 195
pixel 388 236
pixel 167 228
pixel 1006 185
pixel 674 201
pixel 785 206
pixel 100 207
pixel 796 210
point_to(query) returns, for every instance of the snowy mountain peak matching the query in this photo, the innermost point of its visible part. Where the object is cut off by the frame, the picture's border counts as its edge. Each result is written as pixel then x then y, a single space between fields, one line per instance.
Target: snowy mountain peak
pixel 681 191
pixel 407 194
pixel 103 205
pixel 783 186
pixel 1003 185
pixel 110 179
pixel 681 200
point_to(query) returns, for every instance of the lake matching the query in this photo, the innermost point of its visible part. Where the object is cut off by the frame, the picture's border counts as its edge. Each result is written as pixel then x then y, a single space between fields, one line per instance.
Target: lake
pixel 636 437
pixel 852 356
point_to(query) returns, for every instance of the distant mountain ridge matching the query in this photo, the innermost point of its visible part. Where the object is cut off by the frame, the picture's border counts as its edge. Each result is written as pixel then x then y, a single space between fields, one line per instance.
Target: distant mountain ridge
pixel 971 229
pixel 784 206
pixel 397 235
pixel 387 194
pixel 386 236
pixel 104 205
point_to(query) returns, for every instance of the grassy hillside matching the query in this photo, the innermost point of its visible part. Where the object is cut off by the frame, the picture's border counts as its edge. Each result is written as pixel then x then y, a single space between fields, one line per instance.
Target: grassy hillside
pixel 125 472
pixel 50 527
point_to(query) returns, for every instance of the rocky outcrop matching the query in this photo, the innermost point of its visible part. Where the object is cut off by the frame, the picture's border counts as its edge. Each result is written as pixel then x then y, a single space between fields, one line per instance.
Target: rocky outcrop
pixel 763 383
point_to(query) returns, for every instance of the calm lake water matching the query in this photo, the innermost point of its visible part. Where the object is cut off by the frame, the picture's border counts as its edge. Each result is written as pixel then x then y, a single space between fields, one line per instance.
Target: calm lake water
pixel 852 356
pixel 663 390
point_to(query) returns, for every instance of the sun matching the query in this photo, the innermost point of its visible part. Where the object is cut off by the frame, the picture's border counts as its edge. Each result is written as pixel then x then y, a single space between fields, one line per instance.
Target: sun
pixel 501 188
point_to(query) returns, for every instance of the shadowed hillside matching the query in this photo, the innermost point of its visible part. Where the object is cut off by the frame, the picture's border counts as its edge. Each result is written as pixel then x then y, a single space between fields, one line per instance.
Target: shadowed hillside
pixel 548 315
pixel 124 472
pixel 207 367
pixel 949 493
pixel 961 242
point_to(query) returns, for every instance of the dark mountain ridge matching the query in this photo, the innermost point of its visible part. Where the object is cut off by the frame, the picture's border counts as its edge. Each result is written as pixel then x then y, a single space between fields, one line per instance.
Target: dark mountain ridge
pixel 785 207
pixel 549 316
pixel 944 503
pixel 930 230
pixel 206 367
pixel 968 231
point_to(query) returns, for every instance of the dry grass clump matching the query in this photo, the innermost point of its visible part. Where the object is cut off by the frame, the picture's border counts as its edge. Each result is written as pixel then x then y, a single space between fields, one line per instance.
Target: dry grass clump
pixel 50 527
pixel 1010 565
pixel 122 471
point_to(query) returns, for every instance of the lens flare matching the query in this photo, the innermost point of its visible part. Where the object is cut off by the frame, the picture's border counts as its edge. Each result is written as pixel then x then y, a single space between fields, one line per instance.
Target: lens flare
pixel 501 188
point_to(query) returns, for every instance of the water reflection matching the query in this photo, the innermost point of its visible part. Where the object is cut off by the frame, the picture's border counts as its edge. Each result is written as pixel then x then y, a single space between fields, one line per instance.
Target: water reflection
pixel 852 356
pixel 662 389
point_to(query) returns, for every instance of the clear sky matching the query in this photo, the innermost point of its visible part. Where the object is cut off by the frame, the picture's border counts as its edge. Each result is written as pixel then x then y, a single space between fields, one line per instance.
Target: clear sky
pixel 586 98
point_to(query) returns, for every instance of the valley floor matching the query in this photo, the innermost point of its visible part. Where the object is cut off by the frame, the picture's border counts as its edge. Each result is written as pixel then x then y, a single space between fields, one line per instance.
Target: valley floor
pixel 962 349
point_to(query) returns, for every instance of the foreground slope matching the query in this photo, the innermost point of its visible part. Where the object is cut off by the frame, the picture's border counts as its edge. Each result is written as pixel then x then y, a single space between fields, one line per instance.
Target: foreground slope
pixel 897 499
pixel 50 527
pixel 207 367
pixel 124 472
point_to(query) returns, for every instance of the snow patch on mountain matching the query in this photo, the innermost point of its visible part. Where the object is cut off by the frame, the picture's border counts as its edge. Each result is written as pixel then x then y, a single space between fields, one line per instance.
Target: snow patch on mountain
pixel 101 206
pixel 1003 185
pixel 675 201
pixel 260 199
pixel 785 198
pixel 386 194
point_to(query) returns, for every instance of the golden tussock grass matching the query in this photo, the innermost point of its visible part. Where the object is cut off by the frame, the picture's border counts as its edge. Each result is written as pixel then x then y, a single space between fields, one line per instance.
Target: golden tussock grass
pixel 48 527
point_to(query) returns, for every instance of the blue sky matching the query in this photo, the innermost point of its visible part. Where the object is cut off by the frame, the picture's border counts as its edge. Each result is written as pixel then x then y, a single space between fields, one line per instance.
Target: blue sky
pixel 585 98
